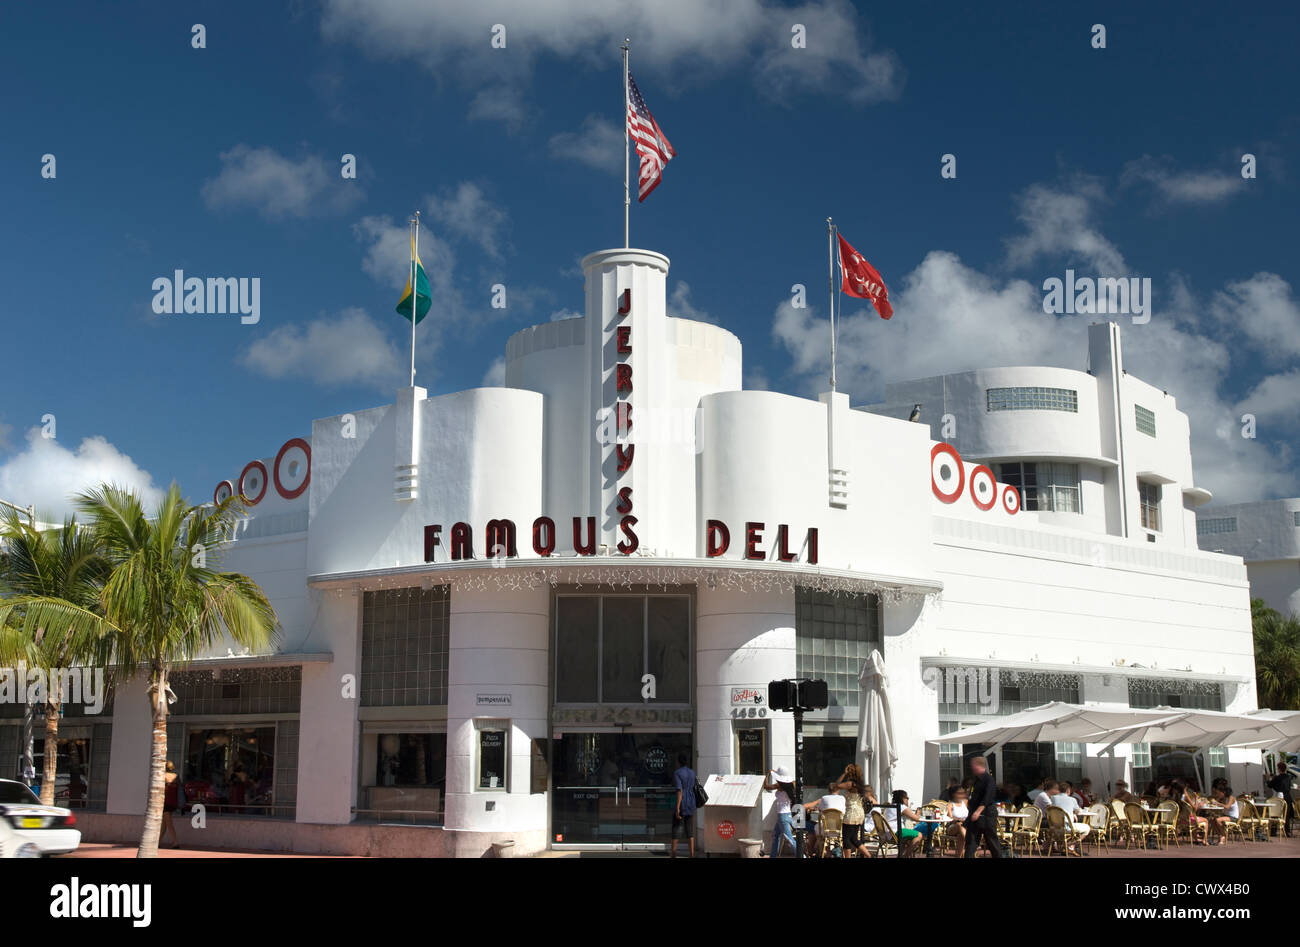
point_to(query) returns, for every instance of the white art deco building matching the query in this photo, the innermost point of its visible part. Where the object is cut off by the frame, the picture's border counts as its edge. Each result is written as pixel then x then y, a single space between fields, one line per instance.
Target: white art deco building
pixel 506 610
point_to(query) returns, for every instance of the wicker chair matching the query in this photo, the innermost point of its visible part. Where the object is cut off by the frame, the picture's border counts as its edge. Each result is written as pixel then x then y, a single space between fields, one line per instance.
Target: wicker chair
pixel 1166 822
pixel 1187 824
pixel 1233 827
pixel 1026 831
pixel 1252 821
pixel 832 831
pixel 1060 831
pixel 1098 818
pixel 1274 812
pixel 1140 825
pixel 1117 825
pixel 886 844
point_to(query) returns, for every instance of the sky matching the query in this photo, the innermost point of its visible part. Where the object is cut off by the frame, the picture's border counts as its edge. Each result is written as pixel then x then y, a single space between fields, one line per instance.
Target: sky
pixel 224 159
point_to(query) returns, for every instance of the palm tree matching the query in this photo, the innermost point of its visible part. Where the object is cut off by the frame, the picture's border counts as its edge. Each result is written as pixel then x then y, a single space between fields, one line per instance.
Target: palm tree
pixel 1277 657
pixel 168 603
pixel 50 583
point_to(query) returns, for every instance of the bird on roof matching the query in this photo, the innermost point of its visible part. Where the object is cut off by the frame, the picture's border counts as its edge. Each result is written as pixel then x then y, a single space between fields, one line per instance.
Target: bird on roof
pixel 916 414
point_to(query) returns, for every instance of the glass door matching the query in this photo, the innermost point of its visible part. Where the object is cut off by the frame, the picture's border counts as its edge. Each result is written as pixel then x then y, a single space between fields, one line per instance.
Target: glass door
pixel 614 789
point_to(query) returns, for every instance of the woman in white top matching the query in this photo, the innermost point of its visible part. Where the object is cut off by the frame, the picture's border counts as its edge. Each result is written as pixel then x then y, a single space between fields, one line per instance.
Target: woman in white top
pixel 958 810
pixel 781 781
pixel 1231 812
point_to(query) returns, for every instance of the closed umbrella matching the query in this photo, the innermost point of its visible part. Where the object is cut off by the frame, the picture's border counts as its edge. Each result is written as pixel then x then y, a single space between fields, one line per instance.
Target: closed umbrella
pixel 875 727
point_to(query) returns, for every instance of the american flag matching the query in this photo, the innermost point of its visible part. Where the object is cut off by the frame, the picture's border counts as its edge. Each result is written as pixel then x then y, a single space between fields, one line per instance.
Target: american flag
pixel 651 144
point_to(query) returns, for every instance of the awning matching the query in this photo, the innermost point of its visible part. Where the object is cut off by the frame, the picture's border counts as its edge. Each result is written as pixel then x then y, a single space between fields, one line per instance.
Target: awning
pixel 1076 723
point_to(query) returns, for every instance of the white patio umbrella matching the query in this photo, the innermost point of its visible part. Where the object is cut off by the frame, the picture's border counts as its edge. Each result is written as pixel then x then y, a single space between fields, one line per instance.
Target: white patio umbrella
pixel 1050 723
pixel 875 727
pixel 1287 725
pixel 1198 728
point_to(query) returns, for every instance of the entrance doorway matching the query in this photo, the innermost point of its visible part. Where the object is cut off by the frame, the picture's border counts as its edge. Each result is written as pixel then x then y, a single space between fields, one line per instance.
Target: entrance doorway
pixel 613 789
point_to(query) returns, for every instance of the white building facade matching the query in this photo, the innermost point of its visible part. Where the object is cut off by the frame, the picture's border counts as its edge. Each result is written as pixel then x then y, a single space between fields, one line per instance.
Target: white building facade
pixel 506 611
pixel 1266 535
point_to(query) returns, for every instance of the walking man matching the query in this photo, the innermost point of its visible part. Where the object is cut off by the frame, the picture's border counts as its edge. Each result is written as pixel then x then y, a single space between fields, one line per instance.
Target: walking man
pixel 982 818
pixel 684 814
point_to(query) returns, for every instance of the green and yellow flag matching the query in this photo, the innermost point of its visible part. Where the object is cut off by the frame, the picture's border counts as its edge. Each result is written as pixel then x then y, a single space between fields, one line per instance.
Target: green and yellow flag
pixel 423 298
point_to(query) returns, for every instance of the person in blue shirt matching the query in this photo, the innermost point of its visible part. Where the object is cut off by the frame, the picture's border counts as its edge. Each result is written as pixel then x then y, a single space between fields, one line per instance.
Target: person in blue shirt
pixel 684 813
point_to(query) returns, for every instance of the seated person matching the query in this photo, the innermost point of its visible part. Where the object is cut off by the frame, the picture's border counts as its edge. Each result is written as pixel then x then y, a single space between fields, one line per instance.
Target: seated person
pixel 1044 799
pixel 1071 807
pixel 958 810
pixel 1231 811
pixel 1122 793
pixel 1083 792
pixel 908 838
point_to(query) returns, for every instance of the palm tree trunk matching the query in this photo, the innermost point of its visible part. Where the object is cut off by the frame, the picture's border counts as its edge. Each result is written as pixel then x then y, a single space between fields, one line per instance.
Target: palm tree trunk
pixel 51 767
pixel 157 765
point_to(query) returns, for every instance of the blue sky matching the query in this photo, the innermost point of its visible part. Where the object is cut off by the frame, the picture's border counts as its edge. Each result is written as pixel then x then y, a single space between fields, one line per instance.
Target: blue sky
pixel 224 161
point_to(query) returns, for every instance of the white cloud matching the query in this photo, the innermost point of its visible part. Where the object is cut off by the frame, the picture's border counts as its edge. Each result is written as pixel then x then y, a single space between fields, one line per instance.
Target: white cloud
pixel 348 348
pixel 1182 187
pixel 566 314
pixel 1263 308
pixel 951 317
pixel 277 187
pixel 597 144
pixel 466 213
pixel 499 104
pixel 1059 224
pixel 669 37
pixel 495 376
pixel 680 305
pixel 48 474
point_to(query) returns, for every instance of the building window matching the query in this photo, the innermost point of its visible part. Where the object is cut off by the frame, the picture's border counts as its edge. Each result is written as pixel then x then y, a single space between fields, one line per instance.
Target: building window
pixel 1149 497
pixel 1218 524
pixel 606 644
pixel 1044 486
pixel 224 691
pixel 1030 398
pixel 71 786
pixel 232 769
pixel 404 634
pixel 1296 517
pixel 1146 420
pixel 834 636
pixel 751 751
pixel 1141 768
pixel 1069 761
pixel 1147 692
pixel 493 754
pixel 824 759
pixel 412 759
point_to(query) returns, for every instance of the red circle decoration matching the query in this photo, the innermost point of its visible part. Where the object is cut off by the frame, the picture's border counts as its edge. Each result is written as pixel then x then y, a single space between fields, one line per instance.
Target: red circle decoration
pixel 1011 499
pixel 279 486
pixel 981 479
pixel 941 448
pixel 726 829
pixel 216 493
pixel 253 465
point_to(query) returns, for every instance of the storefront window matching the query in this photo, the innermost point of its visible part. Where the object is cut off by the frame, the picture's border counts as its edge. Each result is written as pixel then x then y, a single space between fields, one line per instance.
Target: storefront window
pixel 751 751
pixel 231 769
pixel 71 783
pixel 606 644
pixel 493 754
pixel 824 759
pixel 412 759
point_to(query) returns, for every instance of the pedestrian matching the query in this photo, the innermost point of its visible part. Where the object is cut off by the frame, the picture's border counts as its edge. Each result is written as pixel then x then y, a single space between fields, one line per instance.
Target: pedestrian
pixel 781 781
pixel 982 822
pixel 684 814
pixel 1282 783
pixel 171 803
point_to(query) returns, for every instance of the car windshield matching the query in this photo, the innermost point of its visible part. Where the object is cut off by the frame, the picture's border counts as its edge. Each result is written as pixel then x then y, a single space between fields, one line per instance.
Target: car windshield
pixel 11 792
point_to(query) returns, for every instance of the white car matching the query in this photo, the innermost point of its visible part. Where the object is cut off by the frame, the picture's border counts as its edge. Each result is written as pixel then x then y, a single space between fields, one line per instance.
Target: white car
pixel 13 845
pixel 51 829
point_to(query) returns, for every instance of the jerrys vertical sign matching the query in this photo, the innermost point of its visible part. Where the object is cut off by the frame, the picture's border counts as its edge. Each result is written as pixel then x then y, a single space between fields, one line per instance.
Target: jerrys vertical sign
pixel 624 448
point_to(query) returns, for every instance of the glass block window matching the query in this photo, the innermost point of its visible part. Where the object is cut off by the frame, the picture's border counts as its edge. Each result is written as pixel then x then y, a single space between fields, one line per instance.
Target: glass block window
pixel 404 640
pixel 1030 399
pixel 1069 761
pixel 227 691
pixel 1145 692
pixel 949 753
pixel 1296 517
pixel 1216 524
pixel 1141 768
pixel 1050 487
pixel 1149 496
pixel 1146 420
pixel 834 635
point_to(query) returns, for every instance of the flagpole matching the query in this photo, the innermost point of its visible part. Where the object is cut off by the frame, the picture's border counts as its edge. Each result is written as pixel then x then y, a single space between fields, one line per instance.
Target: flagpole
pixel 627 193
pixel 830 272
pixel 415 294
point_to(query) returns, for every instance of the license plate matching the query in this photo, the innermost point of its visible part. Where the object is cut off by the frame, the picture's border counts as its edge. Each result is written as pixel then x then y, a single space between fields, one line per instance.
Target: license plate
pixel 32 823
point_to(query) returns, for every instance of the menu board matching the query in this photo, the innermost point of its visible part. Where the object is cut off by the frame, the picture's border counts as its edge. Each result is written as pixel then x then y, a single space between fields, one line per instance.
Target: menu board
pixel 751 751
pixel 491 759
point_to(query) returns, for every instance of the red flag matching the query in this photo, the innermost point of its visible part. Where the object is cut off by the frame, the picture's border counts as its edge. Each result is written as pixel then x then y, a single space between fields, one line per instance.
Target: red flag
pixel 862 280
